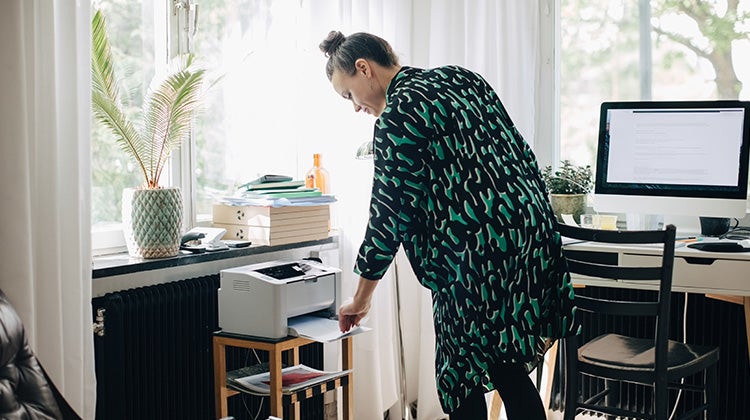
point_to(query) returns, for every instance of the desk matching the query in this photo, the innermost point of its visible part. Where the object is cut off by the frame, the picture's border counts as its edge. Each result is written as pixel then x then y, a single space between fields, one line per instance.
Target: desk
pixel 718 275
pixel 275 349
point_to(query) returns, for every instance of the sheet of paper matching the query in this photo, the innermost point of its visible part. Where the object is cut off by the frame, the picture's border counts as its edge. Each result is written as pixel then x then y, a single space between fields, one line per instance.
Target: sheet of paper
pixel 568 219
pixel 320 329
pixel 293 379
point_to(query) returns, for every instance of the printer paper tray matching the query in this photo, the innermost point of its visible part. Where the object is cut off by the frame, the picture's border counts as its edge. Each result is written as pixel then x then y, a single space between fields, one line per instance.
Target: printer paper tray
pixel 320 329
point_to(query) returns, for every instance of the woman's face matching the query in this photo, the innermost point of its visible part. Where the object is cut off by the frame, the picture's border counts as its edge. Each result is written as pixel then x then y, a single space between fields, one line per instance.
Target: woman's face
pixel 360 88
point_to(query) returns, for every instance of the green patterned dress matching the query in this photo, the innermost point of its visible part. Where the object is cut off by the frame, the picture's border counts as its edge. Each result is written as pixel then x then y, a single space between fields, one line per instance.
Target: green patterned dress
pixel 456 185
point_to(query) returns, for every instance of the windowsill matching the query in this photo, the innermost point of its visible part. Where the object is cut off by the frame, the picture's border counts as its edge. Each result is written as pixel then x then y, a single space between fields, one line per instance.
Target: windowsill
pixel 122 263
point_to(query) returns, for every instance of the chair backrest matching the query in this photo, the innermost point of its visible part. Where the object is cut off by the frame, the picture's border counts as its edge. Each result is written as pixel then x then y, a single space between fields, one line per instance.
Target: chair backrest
pixel 660 271
pixel 31 393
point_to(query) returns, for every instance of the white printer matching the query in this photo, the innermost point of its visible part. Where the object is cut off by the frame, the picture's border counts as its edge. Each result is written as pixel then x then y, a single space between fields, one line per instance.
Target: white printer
pixel 258 299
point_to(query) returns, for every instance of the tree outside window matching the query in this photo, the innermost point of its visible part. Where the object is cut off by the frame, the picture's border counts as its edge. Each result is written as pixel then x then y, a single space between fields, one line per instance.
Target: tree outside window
pixel 696 50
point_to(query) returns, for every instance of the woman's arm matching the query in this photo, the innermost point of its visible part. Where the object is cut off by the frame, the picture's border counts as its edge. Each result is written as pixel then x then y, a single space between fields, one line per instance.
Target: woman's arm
pixel 352 313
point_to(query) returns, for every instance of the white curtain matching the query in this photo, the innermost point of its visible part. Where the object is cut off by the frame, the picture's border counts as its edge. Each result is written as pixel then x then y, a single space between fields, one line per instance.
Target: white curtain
pixel 338 132
pixel 45 266
pixel 498 39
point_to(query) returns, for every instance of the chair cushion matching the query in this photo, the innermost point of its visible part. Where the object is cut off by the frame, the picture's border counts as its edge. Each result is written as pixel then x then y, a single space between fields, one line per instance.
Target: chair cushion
pixel 616 350
pixel 24 390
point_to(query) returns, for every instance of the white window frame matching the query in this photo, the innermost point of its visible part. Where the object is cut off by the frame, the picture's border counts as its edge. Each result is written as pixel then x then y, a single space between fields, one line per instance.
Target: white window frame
pixel 547 141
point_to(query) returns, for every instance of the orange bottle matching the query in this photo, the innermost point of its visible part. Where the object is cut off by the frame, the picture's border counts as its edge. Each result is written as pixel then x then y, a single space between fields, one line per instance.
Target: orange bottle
pixel 317 176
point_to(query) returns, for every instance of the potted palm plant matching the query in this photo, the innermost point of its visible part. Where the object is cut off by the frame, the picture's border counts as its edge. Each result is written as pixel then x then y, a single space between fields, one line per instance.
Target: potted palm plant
pixel 568 186
pixel 151 214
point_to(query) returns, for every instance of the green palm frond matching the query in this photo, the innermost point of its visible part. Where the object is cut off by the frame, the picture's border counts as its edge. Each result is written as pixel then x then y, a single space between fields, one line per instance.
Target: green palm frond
pixel 168 109
pixel 168 112
pixel 103 72
pixel 105 97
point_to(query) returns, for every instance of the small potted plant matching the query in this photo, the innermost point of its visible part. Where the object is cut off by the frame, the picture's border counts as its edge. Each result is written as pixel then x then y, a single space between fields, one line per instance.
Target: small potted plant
pixel 568 186
pixel 151 214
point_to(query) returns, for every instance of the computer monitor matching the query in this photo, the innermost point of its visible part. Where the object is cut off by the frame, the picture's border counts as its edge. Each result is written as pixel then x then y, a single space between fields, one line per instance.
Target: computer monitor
pixel 687 158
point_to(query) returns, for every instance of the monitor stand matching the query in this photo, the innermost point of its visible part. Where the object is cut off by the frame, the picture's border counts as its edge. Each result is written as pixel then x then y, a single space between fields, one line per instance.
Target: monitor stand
pixel 686 225
pixel 637 221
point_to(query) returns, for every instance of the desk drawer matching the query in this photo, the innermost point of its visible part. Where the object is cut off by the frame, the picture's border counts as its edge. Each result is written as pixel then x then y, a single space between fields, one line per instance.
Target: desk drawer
pixel 702 274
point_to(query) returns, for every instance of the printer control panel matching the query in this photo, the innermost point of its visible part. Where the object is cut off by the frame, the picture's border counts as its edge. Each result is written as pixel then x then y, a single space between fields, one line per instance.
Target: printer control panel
pixel 285 271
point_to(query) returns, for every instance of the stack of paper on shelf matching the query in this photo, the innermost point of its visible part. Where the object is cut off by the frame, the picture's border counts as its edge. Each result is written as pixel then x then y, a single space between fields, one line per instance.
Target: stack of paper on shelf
pixel 268 225
pixel 293 379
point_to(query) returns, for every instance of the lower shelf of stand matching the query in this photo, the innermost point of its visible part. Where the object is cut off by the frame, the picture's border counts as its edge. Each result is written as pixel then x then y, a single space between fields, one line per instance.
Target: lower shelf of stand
pixel 302 394
pixel 275 348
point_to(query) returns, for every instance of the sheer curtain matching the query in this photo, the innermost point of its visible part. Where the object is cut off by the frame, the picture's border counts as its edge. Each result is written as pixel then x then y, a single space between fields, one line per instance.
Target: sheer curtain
pixel 337 132
pixel 45 266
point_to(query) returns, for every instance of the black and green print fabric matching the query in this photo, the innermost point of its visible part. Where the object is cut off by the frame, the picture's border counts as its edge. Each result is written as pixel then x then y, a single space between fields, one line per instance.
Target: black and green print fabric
pixel 457 186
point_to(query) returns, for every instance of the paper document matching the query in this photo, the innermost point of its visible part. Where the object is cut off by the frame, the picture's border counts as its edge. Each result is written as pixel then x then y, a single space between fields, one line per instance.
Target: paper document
pixel 571 241
pixel 569 220
pixel 320 329
pixel 278 202
pixel 293 379
pixel 660 245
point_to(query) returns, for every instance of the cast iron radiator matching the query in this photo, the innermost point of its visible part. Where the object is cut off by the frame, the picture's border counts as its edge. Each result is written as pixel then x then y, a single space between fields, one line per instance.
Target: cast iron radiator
pixel 709 322
pixel 155 358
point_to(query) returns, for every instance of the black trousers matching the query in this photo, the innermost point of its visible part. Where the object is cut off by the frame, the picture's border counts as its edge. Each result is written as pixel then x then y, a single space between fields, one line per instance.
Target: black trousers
pixel 520 397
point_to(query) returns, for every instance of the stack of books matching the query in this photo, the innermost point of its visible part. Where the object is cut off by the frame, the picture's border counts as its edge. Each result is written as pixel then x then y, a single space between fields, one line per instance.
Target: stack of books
pixel 267 225
pixel 272 212
pixel 277 193
pixel 278 189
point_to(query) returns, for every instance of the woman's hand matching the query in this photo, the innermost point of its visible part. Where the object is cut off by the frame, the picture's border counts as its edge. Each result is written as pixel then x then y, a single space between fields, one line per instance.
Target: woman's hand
pixel 352 313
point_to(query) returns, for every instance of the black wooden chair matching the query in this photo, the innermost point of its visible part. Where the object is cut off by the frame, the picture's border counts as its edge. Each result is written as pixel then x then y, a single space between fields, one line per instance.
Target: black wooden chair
pixel 655 362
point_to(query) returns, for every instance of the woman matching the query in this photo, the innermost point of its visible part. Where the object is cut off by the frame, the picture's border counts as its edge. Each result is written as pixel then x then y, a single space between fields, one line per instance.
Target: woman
pixel 456 185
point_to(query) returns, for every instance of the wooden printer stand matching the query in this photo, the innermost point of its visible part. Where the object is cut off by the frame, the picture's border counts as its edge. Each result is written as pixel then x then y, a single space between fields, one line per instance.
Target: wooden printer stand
pixel 275 349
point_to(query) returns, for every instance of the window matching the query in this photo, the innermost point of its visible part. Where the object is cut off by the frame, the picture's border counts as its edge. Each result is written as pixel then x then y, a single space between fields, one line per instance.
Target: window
pixel 646 50
pixel 132 30
pixel 268 114
pixel 273 108
pixel 252 114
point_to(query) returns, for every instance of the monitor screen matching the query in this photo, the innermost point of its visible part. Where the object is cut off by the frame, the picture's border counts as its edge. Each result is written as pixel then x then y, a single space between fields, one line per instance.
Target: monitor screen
pixel 673 158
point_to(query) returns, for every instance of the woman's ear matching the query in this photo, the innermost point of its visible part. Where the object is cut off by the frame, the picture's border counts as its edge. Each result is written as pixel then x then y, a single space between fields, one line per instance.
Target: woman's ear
pixel 363 67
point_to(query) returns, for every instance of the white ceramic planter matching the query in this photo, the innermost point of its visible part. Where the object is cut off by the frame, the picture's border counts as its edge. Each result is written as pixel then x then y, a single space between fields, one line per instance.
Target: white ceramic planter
pixel 152 221
pixel 573 204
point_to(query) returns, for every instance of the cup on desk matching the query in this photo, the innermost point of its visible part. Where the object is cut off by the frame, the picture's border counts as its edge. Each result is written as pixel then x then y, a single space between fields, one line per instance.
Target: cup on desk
pixel 608 221
pixel 714 226
pixel 599 221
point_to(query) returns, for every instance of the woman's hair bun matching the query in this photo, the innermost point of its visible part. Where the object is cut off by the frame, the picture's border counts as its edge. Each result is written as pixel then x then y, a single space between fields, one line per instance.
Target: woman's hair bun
pixel 332 42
